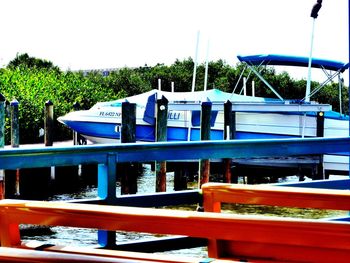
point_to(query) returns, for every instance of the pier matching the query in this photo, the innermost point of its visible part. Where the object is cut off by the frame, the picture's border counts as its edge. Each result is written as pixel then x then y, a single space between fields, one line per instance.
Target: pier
pixel 110 211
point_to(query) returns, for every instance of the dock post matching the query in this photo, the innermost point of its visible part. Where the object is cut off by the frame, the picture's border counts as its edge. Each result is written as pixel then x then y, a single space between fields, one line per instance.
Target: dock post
pixel 14 123
pixel 229 134
pixel 59 175
pixel 2 143
pixel 204 164
pixel 161 136
pixel 77 138
pixel 48 123
pixel 128 171
pixel 15 137
pixel 320 133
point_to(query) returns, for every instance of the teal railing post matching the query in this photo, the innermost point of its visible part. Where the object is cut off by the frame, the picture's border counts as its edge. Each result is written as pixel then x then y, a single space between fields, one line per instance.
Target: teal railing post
pixel 106 183
pixel 2 142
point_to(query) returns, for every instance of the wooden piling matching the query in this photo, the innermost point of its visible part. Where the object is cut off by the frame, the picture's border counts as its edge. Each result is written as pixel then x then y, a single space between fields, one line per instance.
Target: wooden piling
pixel 77 138
pixel 161 136
pixel 204 164
pixel 2 120
pixel 128 171
pixel 2 142
pixel 48 123
pixel 14 123
pixel 229 134
pixel 15 137
pixel 319 171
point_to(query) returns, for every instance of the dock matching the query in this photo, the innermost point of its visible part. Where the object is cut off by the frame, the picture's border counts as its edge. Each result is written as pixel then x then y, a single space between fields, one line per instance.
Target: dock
pixel 228 237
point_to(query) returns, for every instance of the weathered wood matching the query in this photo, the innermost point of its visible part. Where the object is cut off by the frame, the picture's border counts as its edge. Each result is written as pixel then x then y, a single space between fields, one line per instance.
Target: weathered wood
pixel 2 120
pixel 15 136
pixel 48 123
pixel 14 123
pixel 161 136
pixel 320 124
pixel 229 134
pixel 128 171
pixel 2 142
pixel 180 177
pixel 319 169
pixel 128 129
pixel 204 164
pixel 78 139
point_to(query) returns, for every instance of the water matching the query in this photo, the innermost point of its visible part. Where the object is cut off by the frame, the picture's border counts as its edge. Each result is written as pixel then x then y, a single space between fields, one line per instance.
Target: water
pixel 80 237
pixel 146 184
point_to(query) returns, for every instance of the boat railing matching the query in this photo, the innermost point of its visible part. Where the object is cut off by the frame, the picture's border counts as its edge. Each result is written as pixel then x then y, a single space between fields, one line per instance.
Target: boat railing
pixel 275 106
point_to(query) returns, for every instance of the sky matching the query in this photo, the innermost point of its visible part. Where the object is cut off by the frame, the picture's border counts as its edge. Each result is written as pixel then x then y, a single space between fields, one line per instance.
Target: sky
pixel 97 34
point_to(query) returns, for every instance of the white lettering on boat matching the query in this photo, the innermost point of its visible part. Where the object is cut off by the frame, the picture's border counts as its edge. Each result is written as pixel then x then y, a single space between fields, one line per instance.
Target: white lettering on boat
pixel 173 115
pixel 110 114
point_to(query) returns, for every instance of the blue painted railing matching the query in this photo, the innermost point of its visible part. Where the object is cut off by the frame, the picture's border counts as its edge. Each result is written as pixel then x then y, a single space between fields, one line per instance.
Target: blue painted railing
pixel 107 156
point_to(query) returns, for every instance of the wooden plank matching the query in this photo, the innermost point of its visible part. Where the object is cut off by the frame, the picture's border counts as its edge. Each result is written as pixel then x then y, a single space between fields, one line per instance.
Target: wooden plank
pixel 126 255
pixel 216 193
pixel 28 255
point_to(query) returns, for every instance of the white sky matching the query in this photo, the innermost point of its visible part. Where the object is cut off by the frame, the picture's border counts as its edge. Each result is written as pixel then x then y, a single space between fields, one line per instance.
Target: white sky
pixel 85 34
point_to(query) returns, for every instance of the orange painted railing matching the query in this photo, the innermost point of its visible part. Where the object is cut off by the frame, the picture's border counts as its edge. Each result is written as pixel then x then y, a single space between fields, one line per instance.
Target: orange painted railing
pixel 216 193
pixel 253 238
pixel 294 245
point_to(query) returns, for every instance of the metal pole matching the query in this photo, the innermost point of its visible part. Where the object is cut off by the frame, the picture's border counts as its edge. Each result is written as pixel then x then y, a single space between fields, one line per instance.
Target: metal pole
pixel 206 69
pixel 314 14
pixel 195 65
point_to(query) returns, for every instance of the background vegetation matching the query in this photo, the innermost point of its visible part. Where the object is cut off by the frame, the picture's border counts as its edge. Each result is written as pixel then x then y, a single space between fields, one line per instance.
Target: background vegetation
pixel 32 82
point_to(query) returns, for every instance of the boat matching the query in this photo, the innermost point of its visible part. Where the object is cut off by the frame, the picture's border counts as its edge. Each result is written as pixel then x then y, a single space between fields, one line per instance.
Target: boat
pixel 256 117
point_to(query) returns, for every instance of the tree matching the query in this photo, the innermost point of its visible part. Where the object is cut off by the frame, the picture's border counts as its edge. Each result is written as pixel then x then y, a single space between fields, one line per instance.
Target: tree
pixel 30 62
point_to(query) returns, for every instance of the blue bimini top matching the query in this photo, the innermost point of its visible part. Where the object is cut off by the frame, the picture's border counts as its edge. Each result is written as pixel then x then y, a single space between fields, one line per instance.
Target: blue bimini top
pixel 283 60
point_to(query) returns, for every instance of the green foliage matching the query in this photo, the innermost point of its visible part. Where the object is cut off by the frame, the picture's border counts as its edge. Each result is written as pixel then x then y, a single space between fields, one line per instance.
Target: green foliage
pixel 24 60
pixel 34 81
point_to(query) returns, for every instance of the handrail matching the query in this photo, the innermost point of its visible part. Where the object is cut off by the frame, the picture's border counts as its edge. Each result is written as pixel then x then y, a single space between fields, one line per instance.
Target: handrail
pixel 164 151
pixel 216 193
pixel 241 237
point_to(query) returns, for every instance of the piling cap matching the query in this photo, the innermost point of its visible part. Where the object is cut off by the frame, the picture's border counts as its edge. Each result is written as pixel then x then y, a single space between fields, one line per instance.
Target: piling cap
pixel 48 103
pixel 14 102
pixel 2 97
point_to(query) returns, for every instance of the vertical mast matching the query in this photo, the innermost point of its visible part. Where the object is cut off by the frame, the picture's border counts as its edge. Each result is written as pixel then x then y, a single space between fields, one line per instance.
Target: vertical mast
pixel 195 65
pixel 206 68
pixel 314 14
